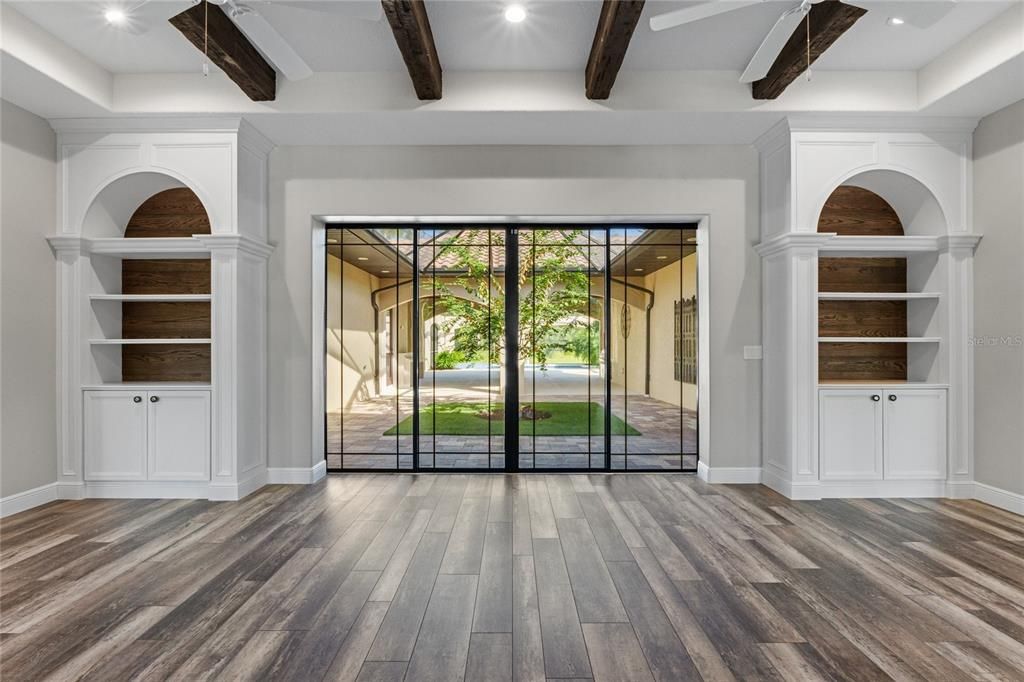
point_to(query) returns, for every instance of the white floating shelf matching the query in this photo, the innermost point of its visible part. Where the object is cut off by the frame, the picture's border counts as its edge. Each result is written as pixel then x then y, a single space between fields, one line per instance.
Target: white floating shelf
pixel 152 298
pixel 879 339
pixel 146 385
pixel 130 342
pixel 882 384
pixel 875 296
pixel 878 246
pixel 155 247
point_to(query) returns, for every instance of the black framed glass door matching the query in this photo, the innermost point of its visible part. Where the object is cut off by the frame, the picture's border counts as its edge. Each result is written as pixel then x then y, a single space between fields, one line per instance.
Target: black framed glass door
pixel 511 347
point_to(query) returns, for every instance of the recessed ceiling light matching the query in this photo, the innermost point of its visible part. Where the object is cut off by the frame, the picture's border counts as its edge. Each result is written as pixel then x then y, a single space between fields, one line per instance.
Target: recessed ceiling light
pixel 662 257
pixel 638 269
pixel 514 14
pixel 115 16
pixel 384 272
pixel 895 21
pixel 362 258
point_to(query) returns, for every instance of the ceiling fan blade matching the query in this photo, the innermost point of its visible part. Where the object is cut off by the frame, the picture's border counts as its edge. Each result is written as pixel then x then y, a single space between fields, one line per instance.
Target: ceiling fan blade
pixel 771 45
pixel 916 13
pixel 688 15
pixel 363 10
pixel 273 46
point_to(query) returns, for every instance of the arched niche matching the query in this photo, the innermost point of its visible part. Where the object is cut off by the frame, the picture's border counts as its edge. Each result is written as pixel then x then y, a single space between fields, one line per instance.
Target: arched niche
pixel 915 206
pixel 855 211
pixel 147 200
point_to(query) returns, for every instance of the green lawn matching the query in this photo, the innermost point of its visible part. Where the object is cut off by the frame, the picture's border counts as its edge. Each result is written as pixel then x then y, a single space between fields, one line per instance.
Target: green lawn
pixel 465 419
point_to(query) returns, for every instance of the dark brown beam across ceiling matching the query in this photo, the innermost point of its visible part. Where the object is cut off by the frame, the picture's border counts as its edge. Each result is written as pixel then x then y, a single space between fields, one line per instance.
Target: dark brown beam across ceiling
pixel 614 30
pixel 828 20
pixel 409 23
pixel 211 30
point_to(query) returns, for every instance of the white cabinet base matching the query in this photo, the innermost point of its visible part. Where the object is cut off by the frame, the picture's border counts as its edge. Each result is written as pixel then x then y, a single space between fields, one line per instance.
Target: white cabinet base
pixel 115 435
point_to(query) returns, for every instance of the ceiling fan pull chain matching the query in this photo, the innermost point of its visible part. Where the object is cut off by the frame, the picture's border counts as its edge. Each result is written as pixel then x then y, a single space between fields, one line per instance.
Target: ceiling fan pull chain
pixel 808 19
pixel 206 38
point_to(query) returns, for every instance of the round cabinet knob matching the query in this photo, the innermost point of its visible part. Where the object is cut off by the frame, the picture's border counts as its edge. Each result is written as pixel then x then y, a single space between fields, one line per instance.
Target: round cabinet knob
pixel 892 397
pixel 875 398
pixel 137 399
pixel 154 399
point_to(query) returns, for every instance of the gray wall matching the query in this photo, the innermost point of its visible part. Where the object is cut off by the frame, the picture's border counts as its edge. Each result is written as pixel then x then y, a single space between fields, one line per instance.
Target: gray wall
pixel 28 299
pixel 999 300
pixel 720 181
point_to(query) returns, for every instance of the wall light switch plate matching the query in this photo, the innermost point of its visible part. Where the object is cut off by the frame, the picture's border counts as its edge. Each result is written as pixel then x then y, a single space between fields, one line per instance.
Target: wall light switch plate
pixel 752 353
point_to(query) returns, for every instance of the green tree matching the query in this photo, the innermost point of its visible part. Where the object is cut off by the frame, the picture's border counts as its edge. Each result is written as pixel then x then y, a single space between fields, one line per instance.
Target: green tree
pixel 553 287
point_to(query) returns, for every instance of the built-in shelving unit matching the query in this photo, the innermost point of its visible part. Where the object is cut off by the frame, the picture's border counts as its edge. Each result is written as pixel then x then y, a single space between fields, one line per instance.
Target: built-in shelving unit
pixel 150 295
pixel 877 298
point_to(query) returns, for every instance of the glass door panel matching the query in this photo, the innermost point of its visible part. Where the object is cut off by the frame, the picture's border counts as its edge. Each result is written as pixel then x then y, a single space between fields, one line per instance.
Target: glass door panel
pixel 560 315
pixel 654 377
pixel 461 299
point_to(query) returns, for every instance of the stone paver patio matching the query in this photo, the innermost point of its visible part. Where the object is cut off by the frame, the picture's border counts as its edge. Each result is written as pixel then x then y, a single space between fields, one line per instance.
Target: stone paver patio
pixel 659 424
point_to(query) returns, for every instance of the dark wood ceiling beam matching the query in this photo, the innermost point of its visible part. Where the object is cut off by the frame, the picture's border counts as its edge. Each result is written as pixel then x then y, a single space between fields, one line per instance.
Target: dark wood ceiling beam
pixel 828 21
pixel 211 30
pixel 409 23
pixel 614 31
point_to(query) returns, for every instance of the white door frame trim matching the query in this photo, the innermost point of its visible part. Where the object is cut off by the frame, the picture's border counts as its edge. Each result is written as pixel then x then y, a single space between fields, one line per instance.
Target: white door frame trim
pixel 318 245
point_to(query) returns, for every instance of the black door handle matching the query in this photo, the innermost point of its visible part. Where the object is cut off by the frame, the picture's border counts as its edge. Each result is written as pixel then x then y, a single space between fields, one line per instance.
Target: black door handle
pixel 154 399
pixel 137 399
pixel 875 398
pixel 892 397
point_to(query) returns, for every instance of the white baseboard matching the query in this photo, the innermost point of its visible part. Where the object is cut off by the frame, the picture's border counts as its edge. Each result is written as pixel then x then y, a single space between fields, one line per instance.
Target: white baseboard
pixel 229 492
pixel 997 497
pixel 144 490
pixel 297 475
pixel 728 474
pixel 23 501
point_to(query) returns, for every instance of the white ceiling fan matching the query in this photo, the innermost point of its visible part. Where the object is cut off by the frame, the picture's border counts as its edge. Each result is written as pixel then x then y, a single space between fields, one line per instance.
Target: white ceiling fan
pixel 265 37
pixel 919 13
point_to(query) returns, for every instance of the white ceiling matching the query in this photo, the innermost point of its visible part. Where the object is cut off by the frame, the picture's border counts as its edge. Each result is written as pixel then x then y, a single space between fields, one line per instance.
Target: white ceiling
pixel 472 36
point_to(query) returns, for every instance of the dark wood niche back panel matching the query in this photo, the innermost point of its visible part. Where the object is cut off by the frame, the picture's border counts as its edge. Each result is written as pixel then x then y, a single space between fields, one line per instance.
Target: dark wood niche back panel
pixel 171 276
pixel 862 362
pixel 852 211
pixel 171 213
pixel 166 362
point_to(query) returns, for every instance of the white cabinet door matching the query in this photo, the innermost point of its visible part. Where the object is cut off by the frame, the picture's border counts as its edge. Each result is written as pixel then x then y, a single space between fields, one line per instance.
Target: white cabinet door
pixel 915 434
pixel 179 435
pixel 115 435
pixel 850 435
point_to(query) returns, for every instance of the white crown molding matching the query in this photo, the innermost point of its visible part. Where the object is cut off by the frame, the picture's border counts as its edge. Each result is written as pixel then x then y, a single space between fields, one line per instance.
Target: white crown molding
pixel 875 123
pixel 958 242
pixel 70 245
pixel 235 242
pixel 793 240
pixel 148 124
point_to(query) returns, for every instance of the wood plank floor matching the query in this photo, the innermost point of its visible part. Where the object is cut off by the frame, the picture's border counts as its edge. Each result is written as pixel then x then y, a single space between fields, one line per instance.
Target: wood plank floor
pixel 527 577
